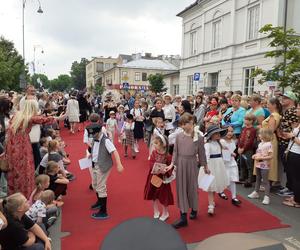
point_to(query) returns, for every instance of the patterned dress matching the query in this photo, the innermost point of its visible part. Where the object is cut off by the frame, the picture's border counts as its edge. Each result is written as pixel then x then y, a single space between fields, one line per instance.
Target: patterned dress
pixel 164 192
pixel 19 153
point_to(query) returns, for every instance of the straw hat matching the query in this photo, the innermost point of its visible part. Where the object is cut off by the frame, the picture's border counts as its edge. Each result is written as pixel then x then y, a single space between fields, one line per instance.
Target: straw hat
pixel 213 129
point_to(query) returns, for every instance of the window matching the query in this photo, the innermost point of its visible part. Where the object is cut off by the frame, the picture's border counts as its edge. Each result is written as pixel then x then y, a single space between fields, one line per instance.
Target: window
pixel 144 76
pixel 99 67
pixel 107 66
pixel 193 43
pixel 216 29
pixel 176 89
pixel 249 81
pixel 190 85
pixel 137 76
pixel 124 75
pixel 253 22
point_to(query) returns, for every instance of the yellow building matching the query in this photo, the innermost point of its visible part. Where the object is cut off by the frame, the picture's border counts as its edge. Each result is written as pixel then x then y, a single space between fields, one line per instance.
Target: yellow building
pixel 133 75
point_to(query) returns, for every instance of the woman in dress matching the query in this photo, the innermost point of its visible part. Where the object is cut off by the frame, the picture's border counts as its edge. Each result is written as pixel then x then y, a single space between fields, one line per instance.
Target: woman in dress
pixel 272 122
pixel 257 110
pixel 138 123
pixel 18 148
pixel 72 112
pixel 199 110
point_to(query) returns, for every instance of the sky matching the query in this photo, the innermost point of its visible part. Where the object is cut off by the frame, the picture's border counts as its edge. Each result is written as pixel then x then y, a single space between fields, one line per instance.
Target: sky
pixel 71 29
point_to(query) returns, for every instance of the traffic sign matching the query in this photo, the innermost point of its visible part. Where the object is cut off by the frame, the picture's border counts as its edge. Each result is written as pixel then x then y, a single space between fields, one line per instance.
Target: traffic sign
pixel 196 76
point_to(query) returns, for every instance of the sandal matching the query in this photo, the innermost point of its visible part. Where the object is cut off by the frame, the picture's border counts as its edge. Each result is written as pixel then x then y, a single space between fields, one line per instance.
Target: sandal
pixel 223 196
pixel 291 199
pixel 291 204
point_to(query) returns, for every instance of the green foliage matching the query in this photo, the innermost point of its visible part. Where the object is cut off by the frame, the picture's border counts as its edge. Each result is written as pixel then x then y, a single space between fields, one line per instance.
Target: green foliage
pixel 286 49
pixel 78 73
pixel 44 79
pixel 99 89
pixel 157 84
pixel 61 83
pixel 11 65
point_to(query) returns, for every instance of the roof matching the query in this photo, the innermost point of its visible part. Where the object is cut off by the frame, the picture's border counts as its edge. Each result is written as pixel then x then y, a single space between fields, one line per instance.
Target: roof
pixel 189 7
pixel 172 73
pixel 126 57
pixel 150 64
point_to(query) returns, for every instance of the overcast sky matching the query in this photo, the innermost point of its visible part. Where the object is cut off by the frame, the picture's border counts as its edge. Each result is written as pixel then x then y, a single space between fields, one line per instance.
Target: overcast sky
pixel 71 29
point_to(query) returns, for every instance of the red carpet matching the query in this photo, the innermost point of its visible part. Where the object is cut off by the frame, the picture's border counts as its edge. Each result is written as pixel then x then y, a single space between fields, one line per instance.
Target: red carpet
pixel 125 201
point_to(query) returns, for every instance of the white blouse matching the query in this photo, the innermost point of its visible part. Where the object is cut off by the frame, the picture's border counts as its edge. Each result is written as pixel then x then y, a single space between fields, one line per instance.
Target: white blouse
pixel 296 147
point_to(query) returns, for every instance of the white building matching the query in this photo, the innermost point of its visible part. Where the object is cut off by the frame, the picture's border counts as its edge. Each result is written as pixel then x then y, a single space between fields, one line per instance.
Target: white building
pixel 220 40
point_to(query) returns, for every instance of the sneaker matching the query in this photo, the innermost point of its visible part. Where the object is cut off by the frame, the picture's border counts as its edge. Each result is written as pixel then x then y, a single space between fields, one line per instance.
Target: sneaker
pixel 253 195
pixel 96 206
pixel 282 191
pixel 211 210
pixel 286 194
pixel 266 200
pixel 100 216
pixel 51 221
pixel 164 217
pixel 156 215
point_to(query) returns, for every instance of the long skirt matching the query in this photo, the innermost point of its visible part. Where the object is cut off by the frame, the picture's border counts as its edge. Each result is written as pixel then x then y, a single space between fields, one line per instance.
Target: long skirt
pixel 138 130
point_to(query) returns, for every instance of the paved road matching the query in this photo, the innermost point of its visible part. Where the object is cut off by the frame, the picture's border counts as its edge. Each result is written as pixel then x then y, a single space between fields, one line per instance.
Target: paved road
pixel 289 236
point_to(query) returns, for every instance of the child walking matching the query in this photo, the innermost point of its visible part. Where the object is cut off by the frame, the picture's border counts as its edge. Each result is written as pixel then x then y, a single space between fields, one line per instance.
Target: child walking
pixel 188 153
pixel 229 146
pixel 128 133
pixel 216 166
pixel 101 155
pixel 163 193
pixel 111 125
pixel 262 158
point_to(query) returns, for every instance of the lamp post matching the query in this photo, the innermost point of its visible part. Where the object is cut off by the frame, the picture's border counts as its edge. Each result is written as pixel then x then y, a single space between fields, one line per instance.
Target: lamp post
pixel 22 76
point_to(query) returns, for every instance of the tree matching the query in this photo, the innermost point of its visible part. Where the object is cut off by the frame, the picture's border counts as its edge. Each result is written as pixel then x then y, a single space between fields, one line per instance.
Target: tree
pixel 43 78
pixel 61 83
pixel 78 73
pixel 11 65
pixel 157 84
pixel 286 49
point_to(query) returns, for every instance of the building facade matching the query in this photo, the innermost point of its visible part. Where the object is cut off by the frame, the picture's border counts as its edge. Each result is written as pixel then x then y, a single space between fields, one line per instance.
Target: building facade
pixel 221 41
pixel 133 75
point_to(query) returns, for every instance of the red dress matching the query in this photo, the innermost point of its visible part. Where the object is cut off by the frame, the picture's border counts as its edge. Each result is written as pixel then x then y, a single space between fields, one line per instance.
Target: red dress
pixel 164 192
pixel 20 177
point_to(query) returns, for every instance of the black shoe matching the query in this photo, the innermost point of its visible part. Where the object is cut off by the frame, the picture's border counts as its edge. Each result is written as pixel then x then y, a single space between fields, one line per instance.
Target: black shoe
pixel 193 215
pixel 223 196
pixel 133 157
pixel 182 222
pixel 98 204
pixel 247 185
pixel 91 187
pixel 236 202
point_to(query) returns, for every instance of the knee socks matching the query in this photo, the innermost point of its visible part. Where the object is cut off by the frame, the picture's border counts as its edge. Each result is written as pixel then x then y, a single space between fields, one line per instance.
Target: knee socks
pixel 232 187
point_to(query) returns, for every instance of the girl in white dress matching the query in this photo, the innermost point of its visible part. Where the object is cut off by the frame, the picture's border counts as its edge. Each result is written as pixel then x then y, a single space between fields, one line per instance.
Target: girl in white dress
pixel 229 146
pixel 215 163
pixel 72 112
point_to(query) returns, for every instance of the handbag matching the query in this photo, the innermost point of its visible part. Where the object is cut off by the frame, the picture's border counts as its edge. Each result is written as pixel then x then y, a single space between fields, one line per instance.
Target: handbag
pixel 156 181
pixel 286 152
pixel 4 164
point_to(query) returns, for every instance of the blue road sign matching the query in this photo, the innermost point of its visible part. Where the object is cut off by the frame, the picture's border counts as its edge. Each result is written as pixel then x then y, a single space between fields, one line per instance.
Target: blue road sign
pixel 197 77
pixel 125 85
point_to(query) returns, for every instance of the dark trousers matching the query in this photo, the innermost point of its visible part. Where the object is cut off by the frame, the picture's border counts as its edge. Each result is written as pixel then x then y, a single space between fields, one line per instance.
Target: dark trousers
pixel 246 166
pixel 293 163
pixel 286 166
pixel 36 154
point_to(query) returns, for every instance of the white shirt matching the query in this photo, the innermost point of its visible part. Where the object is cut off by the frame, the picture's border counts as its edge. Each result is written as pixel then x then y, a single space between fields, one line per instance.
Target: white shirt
pixel 137 114
pixel 172 136
pixel 111 124
pixel 37 210
pixel 110 147
pixel 295 148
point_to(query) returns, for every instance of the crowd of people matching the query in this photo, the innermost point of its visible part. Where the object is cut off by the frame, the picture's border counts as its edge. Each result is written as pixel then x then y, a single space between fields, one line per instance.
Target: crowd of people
pixel 250 140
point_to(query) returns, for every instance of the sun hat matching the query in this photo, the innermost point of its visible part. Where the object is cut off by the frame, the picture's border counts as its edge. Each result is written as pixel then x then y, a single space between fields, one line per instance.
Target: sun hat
pixel 291 95
pixel 212 129
pixel 168 95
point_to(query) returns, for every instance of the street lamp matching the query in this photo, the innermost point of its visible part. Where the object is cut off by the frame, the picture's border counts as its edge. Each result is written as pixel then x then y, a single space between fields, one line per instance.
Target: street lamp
pixel 22 76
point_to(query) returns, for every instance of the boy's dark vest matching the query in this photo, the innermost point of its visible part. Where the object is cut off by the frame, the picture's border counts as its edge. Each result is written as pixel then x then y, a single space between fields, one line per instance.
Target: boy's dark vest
pixel 104 157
